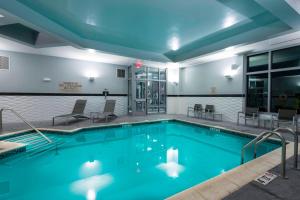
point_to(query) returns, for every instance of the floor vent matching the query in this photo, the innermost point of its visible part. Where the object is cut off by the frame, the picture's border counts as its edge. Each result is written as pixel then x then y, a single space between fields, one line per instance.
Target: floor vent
pixel 4 63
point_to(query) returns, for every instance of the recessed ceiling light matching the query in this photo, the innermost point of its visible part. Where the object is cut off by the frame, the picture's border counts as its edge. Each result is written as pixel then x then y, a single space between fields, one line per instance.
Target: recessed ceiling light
pixel 229 48
pixel 91 50
pixel 1 16
pixel 229 21
pixel 174 43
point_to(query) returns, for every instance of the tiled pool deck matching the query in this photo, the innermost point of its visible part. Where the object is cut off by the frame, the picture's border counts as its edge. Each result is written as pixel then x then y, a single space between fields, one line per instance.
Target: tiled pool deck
pixel 235 184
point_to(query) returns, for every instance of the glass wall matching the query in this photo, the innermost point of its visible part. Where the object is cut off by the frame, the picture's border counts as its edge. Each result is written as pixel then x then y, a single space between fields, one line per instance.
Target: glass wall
pixel 147 93
pixel 277 71
pixel 257 95
pixel 285 90
pixel 257 62
pixel 285 58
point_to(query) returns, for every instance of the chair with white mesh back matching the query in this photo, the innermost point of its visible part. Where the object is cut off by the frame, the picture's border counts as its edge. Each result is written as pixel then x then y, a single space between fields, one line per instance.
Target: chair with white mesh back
pixel 77 113
pixel 108 112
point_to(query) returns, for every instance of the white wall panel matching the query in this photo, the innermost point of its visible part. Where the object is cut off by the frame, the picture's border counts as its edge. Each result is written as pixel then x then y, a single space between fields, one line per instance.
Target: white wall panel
pixel 43 108
pixel 228 106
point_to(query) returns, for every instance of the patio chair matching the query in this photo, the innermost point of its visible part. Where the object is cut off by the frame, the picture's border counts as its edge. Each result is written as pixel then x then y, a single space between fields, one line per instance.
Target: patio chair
pixel 197 110
pixel 108 112
pixel 209 110
pixel 249 114
pixel 77 113
pixel 286 116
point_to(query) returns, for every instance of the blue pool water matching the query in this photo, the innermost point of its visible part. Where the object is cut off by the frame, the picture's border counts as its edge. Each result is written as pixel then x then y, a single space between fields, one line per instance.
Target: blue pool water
pixel 148 161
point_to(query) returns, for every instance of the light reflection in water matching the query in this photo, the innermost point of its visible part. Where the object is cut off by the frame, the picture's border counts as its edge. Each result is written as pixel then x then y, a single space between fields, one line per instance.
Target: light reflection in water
pixel 91 194
pixel 90 168
pixel 91 185
pixel 171 167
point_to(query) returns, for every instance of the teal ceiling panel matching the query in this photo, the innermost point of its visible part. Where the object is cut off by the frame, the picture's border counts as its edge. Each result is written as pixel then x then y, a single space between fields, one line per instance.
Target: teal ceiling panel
pixel 168 30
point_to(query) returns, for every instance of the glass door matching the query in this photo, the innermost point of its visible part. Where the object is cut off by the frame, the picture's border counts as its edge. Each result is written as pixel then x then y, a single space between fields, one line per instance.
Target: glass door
pixel 152 96
pixel 162 97
pixel 140 91
pixel 147 90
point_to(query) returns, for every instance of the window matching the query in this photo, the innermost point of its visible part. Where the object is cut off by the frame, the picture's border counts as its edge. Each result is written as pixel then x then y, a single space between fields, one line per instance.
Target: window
pixel 257 91
pixel 153 73
pixel 257 62
pixel 121 73
pixel 283 76
pixel 285 92
pixel 140 73
pixel 162 74
pixel 284 58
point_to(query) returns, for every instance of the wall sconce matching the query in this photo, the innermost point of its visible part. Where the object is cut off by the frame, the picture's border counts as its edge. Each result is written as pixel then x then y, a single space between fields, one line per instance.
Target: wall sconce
pixel 91 79
pixel 46 79
pixel 91 75
pixel 173 73
pixel 231 72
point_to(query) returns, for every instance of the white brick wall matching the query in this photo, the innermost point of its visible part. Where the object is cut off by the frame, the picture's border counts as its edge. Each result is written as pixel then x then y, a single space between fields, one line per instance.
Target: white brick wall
pixel 43 108
pixel 228 106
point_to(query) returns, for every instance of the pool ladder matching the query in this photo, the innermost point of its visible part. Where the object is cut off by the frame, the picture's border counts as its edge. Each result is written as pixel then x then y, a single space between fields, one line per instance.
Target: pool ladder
pixel 24 120
pixel 267 134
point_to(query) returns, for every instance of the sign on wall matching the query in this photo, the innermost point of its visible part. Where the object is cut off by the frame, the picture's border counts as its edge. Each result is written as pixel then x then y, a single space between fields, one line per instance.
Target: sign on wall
pixel 213 90
pixel 70 86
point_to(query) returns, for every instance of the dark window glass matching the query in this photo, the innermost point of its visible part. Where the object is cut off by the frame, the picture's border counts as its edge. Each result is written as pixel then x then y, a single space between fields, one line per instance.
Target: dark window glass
pixel 153 73
pixel 285 92
pixel 140 73
pixel 162 74
pixel 257 62
pixel 284 58
pixel 257 91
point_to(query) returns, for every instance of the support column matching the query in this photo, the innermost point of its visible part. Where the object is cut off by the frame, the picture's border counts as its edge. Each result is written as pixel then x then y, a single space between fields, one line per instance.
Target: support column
pixel 1 111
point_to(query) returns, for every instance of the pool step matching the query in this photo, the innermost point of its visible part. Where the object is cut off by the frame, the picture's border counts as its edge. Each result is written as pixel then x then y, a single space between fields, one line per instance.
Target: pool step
pixel 35 143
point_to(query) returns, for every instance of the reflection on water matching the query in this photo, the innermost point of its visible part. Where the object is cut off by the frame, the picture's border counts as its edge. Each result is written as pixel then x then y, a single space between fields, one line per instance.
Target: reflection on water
pixel 172 167
pixel 91 194
pixel 90 186
pixel 90 168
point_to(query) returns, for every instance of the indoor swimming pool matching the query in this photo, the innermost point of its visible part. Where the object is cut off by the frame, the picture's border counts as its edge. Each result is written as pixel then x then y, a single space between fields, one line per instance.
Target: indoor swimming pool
pixel 141 161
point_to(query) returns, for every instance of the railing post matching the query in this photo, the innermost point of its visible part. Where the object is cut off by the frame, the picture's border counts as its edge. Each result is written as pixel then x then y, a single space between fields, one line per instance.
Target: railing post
pixel 283 158
pixel 1 126
pixel 296 150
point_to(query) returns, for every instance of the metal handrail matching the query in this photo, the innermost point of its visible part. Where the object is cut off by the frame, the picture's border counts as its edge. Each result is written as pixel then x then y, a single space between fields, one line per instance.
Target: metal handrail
pixel 24 120
pixel 262 137
pixel 250 143
pixel 296 139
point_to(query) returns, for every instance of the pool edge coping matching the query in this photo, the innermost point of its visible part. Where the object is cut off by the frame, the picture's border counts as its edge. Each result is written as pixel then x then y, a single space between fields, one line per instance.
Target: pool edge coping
pixel 73 131
pixel 222 185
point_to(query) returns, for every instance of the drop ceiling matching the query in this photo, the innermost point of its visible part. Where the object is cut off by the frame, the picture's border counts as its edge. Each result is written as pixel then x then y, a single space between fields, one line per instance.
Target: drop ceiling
pixel 164 31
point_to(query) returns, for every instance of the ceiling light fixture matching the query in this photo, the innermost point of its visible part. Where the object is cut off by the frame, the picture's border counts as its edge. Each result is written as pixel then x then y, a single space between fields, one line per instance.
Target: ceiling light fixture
pixel 229 48
pixel 174 43
pixel 229 21
pixel 91 50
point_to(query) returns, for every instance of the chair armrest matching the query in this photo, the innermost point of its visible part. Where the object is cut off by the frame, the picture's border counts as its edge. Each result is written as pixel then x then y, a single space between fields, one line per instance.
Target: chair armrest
pixel 274 117
pixel 240 112
pixel 254 115
pixel 190 108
